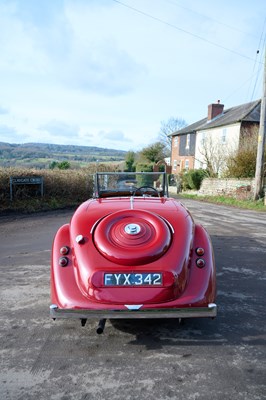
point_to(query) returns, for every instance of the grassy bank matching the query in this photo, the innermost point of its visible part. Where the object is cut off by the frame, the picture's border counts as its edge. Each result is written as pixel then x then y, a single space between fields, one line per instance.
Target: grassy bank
pixel 228 201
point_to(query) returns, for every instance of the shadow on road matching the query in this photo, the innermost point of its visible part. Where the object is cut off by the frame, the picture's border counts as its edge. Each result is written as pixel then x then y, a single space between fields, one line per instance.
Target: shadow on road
pixel 241 274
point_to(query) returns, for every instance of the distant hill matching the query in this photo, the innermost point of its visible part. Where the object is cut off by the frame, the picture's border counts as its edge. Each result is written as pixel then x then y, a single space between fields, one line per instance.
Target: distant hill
pixel 41 155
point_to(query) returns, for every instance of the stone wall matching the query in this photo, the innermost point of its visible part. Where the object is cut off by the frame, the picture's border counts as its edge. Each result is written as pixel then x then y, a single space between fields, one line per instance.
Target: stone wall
pixel 239 188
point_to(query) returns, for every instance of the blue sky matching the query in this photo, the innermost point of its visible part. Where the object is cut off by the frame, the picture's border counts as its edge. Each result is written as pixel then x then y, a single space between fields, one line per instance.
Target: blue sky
pixel 106 73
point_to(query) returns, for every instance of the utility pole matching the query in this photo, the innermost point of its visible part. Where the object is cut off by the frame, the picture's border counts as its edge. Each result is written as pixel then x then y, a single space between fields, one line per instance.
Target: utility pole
pixel 261 139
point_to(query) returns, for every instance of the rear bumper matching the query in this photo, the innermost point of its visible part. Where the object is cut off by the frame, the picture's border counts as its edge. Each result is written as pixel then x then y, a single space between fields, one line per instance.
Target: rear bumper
pixel 189 312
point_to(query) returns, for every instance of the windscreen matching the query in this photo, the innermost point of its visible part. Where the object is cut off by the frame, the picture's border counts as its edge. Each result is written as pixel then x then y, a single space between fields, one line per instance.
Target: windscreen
pixel 128 184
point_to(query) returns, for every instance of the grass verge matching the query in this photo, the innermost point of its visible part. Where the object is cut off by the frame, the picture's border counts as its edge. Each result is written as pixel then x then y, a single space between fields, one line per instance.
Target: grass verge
pixel 257 205
pixel 32 206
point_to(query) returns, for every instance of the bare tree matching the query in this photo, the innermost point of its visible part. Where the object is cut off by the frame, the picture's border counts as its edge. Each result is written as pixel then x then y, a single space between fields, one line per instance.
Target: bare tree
pixel 167 127
pixel 214 155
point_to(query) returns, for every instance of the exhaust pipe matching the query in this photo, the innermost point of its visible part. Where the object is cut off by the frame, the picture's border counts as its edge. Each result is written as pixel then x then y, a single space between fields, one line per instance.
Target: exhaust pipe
pixel 100 327
pixel 83 321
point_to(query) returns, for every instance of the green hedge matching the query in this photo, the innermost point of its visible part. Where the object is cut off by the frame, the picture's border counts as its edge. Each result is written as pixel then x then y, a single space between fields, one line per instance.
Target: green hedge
pixel 192 178
pixel 144 180
pixel 62 188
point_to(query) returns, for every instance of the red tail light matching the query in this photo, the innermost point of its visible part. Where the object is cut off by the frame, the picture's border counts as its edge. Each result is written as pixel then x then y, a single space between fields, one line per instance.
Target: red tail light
pixel 200 251
pixel 200 262
pixel 64 250
pixel 63 261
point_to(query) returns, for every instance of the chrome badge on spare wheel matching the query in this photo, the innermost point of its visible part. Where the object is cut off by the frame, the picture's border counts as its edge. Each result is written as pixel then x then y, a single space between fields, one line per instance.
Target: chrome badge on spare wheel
pixel 132 229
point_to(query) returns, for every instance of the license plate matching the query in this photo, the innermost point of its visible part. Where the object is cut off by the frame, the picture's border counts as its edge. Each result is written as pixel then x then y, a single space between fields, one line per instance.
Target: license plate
pixel 133 279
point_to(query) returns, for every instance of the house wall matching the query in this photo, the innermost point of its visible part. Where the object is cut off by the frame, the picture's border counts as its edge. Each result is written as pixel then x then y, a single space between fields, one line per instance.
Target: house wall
pixel 187 146
pixel 183 151
pixel 175 154
pixel 217 143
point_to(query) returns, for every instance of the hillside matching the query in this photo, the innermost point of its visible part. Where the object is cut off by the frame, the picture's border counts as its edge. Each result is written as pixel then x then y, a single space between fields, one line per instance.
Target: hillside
pixel 40 155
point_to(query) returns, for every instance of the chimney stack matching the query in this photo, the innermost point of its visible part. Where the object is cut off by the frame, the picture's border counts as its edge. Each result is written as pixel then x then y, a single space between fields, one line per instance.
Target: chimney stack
pixel 214 110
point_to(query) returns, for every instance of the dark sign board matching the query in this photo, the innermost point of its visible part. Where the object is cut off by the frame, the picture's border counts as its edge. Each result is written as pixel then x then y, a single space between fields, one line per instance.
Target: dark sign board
pixel 25 180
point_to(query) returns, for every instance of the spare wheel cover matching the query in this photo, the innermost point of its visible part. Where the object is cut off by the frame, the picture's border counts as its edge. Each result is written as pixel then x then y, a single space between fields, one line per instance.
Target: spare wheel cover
pixel 132 237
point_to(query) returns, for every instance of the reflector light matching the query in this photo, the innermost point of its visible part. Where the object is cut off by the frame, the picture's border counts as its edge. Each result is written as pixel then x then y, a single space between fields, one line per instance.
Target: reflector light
pixel 200 251
pixel 64 250
pixel 63 261
pixel 200 262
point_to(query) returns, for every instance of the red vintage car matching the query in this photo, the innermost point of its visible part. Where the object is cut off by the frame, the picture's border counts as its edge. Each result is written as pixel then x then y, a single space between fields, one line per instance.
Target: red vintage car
pixel 132 252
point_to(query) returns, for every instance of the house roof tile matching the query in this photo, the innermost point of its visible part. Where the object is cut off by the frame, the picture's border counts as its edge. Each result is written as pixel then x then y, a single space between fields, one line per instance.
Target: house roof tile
pixel 246 112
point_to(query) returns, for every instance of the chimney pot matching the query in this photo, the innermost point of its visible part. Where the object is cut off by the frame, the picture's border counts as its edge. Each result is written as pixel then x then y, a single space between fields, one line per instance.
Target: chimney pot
pixel 214 110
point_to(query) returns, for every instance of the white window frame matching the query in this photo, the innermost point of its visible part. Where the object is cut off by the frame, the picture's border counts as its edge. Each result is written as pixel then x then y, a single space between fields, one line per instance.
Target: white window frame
pixel 188 141
pixel 186 164
pixel 203 138
pixel 223 135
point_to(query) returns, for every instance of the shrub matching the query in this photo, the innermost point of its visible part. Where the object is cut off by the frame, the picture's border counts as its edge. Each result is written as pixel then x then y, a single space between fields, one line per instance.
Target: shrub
pixel 142 167
pixel 130 162
pixel 192 178
pixel 145 180
pixel 242 164
pixel 60 165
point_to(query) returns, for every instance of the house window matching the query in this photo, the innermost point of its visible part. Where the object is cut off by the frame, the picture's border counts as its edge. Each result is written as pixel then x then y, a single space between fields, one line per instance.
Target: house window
pixel 223 136
pixel 175 165
pixel 175 141
pixel 188 141
pixel 187 164
pixel 203 138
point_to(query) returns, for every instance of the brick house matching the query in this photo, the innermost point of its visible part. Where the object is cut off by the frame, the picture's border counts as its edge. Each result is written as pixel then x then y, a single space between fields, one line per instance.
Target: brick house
pixel 224 129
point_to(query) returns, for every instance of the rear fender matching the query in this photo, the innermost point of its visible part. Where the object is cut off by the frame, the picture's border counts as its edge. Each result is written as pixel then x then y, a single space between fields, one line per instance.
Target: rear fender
pixel 201 288
pixel 64 289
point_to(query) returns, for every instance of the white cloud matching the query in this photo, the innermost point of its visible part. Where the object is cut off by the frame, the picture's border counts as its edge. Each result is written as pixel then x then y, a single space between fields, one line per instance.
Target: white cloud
pixel 101 68
pixel 3 110
pixel 70 69
pixel 59 128
pixel 114 136
pixel 9 132
pixel 60 52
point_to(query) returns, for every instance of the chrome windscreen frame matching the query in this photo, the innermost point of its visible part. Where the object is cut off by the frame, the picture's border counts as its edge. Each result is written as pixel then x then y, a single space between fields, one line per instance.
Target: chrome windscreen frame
pixel 99 175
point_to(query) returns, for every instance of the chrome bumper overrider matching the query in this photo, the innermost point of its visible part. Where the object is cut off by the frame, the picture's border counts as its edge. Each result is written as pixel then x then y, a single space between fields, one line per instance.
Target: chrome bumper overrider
pixel 189 312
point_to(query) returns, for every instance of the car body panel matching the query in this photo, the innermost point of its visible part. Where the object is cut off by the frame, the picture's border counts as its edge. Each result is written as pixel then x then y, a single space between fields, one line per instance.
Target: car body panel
pixel 115 239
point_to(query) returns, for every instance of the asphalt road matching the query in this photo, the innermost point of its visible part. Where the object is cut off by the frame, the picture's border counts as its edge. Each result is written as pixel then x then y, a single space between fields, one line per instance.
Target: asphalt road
pixel 200 360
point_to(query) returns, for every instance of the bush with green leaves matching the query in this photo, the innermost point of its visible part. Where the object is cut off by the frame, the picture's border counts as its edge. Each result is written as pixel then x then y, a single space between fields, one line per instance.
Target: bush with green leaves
pixel 192 179
pixel 130 162
pixel 144 180
pixel 60 165
pixel 153 153
pixel 242 164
